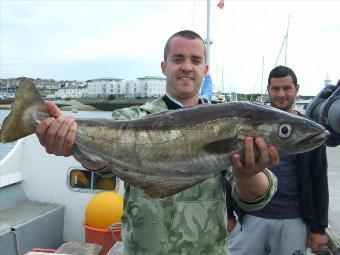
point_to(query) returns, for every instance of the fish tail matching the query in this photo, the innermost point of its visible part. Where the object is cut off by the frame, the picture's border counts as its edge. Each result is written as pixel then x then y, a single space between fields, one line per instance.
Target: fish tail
pixel 21 121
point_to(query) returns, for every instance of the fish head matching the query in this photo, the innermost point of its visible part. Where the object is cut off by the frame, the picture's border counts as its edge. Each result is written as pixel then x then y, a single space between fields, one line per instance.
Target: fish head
pixel 289 133
pixel 297 135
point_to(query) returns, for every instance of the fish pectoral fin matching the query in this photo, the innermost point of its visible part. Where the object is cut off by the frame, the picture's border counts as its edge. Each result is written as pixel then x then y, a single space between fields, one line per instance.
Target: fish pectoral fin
pixel 223 146
pixel 158 187
pixel 161 190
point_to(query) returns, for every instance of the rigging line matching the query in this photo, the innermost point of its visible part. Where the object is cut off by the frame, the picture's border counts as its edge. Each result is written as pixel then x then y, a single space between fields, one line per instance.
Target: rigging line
pixel 256 81
pixel 255 85
pixel 283 43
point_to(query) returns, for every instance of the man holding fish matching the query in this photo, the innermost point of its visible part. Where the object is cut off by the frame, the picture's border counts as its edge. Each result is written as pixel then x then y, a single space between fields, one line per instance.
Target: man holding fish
pixel 191 221
pixel 297 216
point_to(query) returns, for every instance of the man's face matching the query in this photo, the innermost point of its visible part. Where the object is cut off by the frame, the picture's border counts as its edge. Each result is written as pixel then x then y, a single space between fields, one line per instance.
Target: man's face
pixel 282 93
pixel 184 68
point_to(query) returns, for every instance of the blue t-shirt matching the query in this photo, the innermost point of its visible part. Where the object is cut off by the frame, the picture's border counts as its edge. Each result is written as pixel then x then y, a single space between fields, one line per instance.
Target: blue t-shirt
pixel 286 202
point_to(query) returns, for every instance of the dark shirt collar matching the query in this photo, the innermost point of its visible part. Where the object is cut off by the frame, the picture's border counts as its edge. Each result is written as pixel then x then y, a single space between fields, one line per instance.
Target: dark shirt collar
pixel 173 104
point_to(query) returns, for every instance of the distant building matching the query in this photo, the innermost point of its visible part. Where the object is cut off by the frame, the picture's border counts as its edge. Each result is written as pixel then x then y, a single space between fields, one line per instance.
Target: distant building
pixel 100 88
pixel 131 89
pixel 150 86
pixel 71 91
pixel 103 87
pixel 8 88
pixel 47 84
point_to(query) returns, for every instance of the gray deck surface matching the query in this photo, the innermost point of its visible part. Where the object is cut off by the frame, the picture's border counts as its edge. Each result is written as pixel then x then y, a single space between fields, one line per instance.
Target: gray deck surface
pixel 333 156
pixel 23 212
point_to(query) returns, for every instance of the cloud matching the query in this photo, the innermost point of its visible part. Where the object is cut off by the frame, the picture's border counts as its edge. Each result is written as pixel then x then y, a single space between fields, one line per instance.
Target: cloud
pixel 81 39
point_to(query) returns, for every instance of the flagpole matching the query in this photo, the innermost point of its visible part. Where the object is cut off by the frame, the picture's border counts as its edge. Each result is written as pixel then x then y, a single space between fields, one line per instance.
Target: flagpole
pixel 206 89
pixel 208 39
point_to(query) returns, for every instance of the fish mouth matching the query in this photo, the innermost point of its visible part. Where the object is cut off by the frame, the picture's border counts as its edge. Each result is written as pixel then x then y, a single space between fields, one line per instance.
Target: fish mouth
pixel 321 137
pixel 316 139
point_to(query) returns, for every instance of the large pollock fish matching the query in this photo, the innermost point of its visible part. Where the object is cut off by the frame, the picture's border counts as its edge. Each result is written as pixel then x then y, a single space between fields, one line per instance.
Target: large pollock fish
pixel 167 152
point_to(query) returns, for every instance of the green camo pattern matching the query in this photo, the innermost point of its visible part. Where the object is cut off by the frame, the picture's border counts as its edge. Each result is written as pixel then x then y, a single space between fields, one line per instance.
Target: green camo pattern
pixel 190 222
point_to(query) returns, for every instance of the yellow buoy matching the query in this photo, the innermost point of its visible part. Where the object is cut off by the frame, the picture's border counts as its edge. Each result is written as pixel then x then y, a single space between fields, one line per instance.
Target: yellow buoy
pixel 104 209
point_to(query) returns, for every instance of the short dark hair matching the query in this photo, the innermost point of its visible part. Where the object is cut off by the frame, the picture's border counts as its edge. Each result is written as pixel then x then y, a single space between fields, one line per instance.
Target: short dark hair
pixel 186 34
pixel 282 71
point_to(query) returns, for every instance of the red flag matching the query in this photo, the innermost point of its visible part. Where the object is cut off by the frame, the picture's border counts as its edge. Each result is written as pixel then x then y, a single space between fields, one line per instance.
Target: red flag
pixel 220 4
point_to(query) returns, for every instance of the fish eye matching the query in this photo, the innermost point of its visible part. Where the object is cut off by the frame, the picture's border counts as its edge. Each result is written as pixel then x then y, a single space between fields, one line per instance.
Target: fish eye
pixel 285 130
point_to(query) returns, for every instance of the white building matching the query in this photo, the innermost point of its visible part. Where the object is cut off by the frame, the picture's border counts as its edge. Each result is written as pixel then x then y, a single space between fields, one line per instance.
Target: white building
pixel 71 91
pixel 103 87
pixel 150 86
pixel 131 89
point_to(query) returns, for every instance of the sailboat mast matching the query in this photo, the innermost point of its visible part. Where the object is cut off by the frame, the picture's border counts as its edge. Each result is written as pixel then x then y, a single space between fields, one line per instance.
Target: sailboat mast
pixel 222 82
pixel 287 40
pixel 284 43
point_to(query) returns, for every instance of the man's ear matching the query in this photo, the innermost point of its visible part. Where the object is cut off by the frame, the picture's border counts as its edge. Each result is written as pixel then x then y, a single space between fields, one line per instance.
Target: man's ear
pixel 164 68
pixel 206 69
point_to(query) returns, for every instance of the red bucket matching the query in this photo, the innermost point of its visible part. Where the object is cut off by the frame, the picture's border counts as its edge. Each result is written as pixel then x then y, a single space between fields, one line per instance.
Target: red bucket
pixel 104 237
pixel 42 250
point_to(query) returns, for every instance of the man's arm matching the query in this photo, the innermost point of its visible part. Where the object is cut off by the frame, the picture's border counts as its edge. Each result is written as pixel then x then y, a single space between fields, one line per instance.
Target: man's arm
pixel 57 133
pixel 251 181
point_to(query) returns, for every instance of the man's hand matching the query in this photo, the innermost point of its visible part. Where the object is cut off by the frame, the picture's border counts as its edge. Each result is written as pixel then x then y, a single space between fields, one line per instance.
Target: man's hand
pixel 250 167
pixel 250 180
pixel 316 241
pixel 57 132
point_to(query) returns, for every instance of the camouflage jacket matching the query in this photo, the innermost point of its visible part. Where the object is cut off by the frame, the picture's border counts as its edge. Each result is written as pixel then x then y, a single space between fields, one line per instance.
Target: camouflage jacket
pixel 190 222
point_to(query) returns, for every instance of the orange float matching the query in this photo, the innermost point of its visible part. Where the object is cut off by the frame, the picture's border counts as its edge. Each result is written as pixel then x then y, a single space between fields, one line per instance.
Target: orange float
pixel 104 209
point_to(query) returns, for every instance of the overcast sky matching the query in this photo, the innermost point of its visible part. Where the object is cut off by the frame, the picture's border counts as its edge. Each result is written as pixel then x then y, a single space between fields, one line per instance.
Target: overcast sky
pixel 88 39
